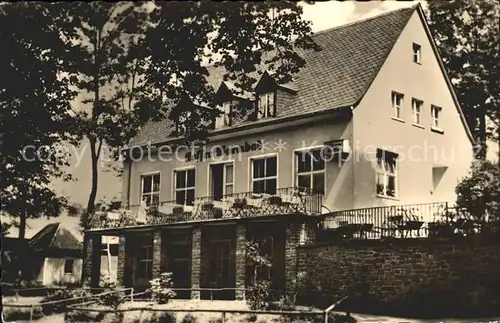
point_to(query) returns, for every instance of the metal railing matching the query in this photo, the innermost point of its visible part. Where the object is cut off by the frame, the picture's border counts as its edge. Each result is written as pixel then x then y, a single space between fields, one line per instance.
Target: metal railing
pixel 399 221
pixel 285 201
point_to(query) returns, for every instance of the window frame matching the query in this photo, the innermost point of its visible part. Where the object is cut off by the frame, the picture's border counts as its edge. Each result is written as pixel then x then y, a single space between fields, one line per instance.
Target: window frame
pixel 72 262
pixel 175 189
pixel 434 118
pixel 382 171
pixel 147 261
pixel 266 113
pixel 417 113
pixel 417 53
pixel 251 170
pixel 396 108
pixel 312 172
pixel 225 183
pixel 153 192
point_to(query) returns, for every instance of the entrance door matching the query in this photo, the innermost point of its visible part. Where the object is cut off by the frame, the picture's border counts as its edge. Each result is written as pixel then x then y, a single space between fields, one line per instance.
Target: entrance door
pixel 221 180
pixel 221 271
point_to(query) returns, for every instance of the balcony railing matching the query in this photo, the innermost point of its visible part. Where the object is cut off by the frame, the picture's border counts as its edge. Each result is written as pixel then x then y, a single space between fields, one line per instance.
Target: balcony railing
pixel 286 201
pixel 397 221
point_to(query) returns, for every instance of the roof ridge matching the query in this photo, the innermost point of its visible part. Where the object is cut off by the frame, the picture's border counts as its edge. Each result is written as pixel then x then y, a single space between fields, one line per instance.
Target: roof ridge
pixel 365 19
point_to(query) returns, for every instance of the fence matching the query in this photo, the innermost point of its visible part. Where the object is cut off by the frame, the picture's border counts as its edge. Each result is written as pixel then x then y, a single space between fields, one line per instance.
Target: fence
pixel 399 221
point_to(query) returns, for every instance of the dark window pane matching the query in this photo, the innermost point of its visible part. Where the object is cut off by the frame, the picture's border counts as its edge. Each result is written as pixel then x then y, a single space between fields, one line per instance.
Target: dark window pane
pixel 258 187
pixel 319 183
pixel 190 178
pixel 317 160
pixel 303 162
pixel 146 188
pixel 258 168
pixel 180 197
pixel 156 182
pixel 304 181
pixel 155 199
pixel 270 186
pixel 391 186
pixel 180 179
pixel 190 197
pixel 271 166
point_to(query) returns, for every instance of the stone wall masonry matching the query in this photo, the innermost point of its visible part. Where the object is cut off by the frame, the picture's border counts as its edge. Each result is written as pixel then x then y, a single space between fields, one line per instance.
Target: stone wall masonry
pixel 91 260
pixel 240 275
pixel 406 273
pixel 120 268
pixel 196 263
pixel 157 256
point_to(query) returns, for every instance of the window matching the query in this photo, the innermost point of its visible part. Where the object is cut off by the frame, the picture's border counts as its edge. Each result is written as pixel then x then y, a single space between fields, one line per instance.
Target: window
pixel 266 251
pixel 68 266
pixel 184 186
pixel 416 108
pixel 181 124
pixel 150 189
pixel 264 175
pixel 145 261
pixel 224 120
pixel 435 113
pixel 310 170
pixel 397 103
pixel 386 173
pixel 266 105
pixel 417 50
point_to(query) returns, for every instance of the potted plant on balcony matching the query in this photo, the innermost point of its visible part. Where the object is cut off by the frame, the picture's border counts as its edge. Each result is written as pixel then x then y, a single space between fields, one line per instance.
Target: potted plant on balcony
pixel 207 206
pixel 275 200
pixel 216 212
pixel 240 203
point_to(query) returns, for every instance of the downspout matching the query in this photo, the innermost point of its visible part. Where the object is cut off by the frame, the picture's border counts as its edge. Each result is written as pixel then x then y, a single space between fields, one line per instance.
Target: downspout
pixel 128 183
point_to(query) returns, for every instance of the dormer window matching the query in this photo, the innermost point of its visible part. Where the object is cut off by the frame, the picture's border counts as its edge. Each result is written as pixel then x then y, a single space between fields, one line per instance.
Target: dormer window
pixel 181 124
pixel 266 105
pixel 224 119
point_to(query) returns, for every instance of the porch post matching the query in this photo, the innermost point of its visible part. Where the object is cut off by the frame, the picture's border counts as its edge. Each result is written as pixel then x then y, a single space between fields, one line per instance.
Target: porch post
pixel 240 272
pixel 120 268
pixel 91 270
pixel 196 263
pixel 292 240
pixel 157 261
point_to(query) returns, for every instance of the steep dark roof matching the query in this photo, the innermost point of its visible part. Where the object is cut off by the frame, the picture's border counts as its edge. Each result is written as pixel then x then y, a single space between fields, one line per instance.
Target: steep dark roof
pixel 55 236
pixel 336 76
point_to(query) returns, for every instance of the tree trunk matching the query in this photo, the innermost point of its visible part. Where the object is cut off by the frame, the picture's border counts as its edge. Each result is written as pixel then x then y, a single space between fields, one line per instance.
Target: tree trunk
pixel 22 225
pixel 93 191
pixel 482 136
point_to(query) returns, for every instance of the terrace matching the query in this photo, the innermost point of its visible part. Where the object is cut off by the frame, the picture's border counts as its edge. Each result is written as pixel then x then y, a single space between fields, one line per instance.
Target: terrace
pixel 282 202
pixel 440 219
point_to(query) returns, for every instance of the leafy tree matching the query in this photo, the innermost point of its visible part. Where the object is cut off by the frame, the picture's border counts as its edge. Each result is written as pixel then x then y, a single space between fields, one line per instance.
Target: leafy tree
pixel 34 117
pixel 479 192
pixel 135 61
pixel 468 38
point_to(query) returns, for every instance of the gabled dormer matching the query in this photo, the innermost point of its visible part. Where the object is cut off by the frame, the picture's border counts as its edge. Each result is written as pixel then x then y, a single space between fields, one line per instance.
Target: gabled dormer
pixel 233 105
pixel 265 92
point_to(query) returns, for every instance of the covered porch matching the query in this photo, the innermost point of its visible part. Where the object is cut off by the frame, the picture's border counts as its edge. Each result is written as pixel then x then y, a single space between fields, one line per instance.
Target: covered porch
pixel 207 258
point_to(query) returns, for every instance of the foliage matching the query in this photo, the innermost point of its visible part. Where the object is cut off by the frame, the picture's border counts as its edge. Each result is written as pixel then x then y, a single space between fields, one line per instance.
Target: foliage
pixel 468 39
pixel 63 294
pixel 161 288
pixel 259 290
pixel 34 106
pixel 189 318
pixel 160 318
pixel 113 294
pixel 479 193
pixel 88 220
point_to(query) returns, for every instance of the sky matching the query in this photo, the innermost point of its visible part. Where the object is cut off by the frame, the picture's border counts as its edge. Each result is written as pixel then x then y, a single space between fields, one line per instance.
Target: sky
pixel 323 15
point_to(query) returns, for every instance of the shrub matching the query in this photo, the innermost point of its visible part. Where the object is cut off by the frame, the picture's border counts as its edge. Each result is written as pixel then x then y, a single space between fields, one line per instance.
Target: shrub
pixel 260 289
pixel 160 318
pixel 60 295
pixel 113 294
pixel 479 193
pixel 161 288
pixel 189 318
pixel 83 316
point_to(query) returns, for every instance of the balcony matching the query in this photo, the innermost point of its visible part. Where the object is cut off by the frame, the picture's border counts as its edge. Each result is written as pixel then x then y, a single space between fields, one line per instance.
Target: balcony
pixel 286 201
